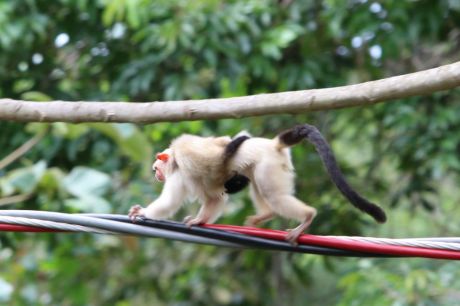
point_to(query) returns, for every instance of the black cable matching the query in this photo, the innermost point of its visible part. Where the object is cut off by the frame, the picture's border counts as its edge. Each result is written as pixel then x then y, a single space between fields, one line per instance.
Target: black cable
pixel 249 241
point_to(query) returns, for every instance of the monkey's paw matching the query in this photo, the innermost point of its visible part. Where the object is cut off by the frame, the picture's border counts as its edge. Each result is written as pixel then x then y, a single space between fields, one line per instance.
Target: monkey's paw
pixel 135 211
pixel 292 236
pixel 189 221
pixel 252 221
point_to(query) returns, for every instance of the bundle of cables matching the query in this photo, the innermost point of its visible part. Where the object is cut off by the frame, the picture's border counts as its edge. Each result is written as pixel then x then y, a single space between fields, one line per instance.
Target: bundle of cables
pixel 229 236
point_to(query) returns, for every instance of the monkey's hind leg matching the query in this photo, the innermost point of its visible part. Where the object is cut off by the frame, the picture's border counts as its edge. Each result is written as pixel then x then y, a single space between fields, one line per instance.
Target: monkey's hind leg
pixel 275 183
pixel 263 210
pixel 293 234
pixel 290 207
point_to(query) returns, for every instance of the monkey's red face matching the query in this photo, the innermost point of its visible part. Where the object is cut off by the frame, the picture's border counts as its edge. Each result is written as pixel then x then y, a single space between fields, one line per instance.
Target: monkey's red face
pixel 159 166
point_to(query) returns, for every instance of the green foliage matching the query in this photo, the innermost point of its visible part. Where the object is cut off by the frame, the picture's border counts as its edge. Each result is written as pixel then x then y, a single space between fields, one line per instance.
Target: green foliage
pixel 24 179
pixel 403 155
pixel 412 283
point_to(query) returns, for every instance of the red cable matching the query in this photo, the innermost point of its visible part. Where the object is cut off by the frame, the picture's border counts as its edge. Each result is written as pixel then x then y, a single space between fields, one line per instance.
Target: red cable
pixel 343 244
pixel 304 239
pixel 24 228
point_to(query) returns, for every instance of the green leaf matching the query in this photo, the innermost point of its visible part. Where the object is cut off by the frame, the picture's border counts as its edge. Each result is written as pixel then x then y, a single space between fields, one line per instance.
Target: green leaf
pixel 6 290
pixel 89 204
pixel 26 179
pixel 36 127
pixel 128 137
pixel 69 131
pixel 52 179
pixel 83 181
pixel 23 85
pixel 35 96
pixel 6 187
pixel 115 10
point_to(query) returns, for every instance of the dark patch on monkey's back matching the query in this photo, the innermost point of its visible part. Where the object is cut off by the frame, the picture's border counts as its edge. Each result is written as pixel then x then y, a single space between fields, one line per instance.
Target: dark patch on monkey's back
pixel 237 182
pixel 233 146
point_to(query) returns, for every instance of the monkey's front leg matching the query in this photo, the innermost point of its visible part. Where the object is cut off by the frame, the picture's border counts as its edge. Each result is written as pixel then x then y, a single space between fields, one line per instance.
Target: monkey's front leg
pixel 209 212
pixel 166 205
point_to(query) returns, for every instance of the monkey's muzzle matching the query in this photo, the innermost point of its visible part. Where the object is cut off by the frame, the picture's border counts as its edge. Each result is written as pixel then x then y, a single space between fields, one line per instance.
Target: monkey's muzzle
pixel 159 174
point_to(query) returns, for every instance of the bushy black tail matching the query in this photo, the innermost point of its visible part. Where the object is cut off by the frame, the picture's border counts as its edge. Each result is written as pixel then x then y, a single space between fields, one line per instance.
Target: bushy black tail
pixel 311 133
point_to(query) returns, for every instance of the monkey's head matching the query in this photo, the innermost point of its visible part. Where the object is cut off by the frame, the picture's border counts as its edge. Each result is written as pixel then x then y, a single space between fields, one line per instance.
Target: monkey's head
pixel 161 164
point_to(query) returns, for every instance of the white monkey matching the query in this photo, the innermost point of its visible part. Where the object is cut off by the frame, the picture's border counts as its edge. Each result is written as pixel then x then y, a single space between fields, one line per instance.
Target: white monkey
pixel 205 168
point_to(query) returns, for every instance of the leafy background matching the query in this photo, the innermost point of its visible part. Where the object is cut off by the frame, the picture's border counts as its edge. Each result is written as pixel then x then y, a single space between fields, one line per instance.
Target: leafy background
pixel 402 154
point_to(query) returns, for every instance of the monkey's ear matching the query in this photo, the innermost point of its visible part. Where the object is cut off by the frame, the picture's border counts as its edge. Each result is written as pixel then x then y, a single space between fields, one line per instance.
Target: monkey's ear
pixel 163 157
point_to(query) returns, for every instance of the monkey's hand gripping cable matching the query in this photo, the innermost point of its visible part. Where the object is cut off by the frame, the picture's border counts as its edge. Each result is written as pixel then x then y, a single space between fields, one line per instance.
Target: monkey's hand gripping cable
pixel 229 236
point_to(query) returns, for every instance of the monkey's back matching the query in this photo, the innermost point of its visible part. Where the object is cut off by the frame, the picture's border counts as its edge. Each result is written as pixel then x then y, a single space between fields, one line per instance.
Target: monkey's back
pixel 255 149
pixel 200 158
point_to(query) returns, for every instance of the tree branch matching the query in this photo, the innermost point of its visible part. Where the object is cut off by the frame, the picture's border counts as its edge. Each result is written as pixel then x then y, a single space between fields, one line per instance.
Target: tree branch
pixel 23 149
pixel 293 102
pixel 15 199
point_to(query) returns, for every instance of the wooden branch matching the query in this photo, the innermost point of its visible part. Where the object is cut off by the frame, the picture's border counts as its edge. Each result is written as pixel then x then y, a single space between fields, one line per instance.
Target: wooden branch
pixel 23 149
pixel 15 199
pixel 294 102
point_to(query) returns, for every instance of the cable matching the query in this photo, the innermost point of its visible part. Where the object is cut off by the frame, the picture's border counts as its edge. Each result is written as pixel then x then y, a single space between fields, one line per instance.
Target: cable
pixel 344 244
pixel 120 227
pixel 25 229
pixel 230 235
pixel 173 230
pixel 406 242
pixel 452 243
pixel 51 225
pixel 249 241
pixel 229 240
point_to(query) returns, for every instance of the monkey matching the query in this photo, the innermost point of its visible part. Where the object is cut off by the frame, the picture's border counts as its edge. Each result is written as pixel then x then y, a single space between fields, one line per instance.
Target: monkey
pixel 204 168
